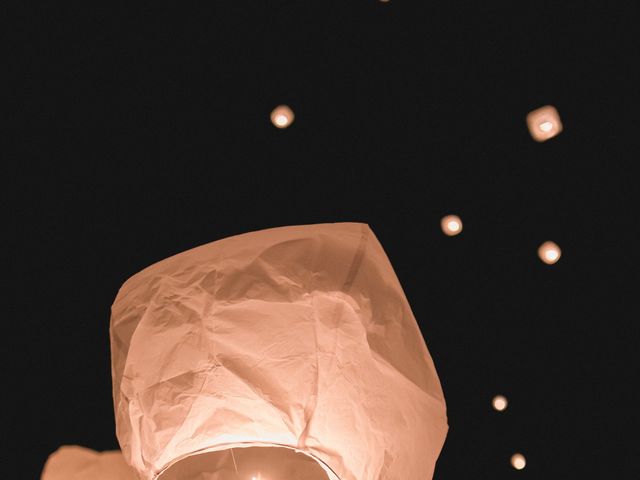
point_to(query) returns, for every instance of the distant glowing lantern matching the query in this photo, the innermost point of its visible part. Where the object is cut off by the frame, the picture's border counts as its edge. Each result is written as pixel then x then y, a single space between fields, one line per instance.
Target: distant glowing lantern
pixel 282 116
pixel 549 252
pixel 451 225
pixel 518 461
pixel 279 354
pixel 499 403
pixel 544 123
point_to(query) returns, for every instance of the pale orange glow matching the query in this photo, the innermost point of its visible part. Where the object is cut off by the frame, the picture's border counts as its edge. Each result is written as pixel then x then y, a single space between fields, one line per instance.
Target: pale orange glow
pixel 499 403
pixel 544 123
pixel 549 252
pixel 78 463
pixel 225 360
pixel 451 225
pixel 255 357
pixel 518 461
pixel 546 126
pixel 282 116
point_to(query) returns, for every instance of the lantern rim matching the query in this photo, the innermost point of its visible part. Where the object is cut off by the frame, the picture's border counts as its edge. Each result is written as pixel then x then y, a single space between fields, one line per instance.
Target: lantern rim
pixel 331 475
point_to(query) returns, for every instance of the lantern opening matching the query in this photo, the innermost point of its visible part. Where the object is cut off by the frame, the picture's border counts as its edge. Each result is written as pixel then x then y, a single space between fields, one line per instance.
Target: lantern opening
pixel 246 463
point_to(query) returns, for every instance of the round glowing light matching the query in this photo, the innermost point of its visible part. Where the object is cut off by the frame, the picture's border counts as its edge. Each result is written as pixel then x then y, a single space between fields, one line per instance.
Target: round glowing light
pixel 546 126
pixel 282 116
pixel 549 253
pixel 518 461
pixel 451 225
pixel 499 403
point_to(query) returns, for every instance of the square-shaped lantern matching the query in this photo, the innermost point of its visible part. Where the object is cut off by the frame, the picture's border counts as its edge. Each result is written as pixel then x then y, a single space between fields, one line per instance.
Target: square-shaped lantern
pixel 544 123
pixel 281 354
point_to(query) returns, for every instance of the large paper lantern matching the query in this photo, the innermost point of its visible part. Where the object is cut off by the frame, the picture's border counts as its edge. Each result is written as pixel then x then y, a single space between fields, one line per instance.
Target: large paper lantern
pixel 289 353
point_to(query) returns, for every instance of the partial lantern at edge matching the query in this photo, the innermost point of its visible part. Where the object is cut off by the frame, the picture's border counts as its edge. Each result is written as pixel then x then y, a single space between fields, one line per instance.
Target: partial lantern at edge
pixel 71 462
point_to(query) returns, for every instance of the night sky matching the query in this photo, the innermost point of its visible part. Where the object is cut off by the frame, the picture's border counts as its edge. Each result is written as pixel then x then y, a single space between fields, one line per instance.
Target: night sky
pixel 139 132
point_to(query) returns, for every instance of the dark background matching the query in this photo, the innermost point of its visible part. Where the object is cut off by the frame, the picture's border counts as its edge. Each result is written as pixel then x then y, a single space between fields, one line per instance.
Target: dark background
pixel 140 132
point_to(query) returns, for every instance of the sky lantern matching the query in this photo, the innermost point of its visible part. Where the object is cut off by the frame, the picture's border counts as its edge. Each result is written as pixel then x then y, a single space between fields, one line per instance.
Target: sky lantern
pixel 549 252
pixel 79 463
pixel 284 353
pixel 518 461
pixel 544 123
pixel 499 403
pixel 451 225
pixel 282 116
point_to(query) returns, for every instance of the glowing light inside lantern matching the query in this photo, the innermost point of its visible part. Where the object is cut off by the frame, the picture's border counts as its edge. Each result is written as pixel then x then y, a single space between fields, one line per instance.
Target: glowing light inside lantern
pixel 499 403
pixel 282 116
pixel 451 225
pixel 546 126
pixel 549 252
pixel 518 461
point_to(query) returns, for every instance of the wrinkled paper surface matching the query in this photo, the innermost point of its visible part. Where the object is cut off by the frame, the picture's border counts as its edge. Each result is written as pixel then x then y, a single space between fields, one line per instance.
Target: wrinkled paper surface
pixel 295 336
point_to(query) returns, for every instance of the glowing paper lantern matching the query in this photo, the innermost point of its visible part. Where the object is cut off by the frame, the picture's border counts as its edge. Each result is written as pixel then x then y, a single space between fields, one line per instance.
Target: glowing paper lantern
pixel 544 123
pixel 282 116
pixel 549 253
pixel 499 403
pixel 285 353
pixel 77 463
pixel 518 461
pixel 451 225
